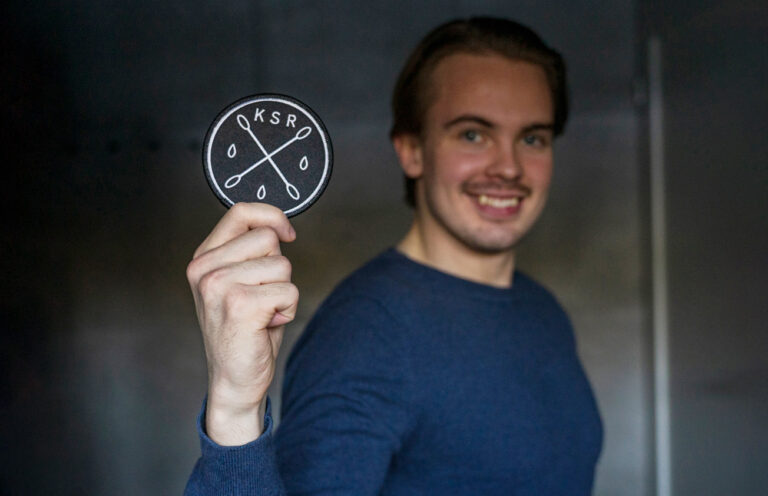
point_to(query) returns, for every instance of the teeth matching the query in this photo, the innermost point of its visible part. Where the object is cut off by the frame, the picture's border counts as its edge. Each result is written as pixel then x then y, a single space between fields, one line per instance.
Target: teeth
pixel 498 202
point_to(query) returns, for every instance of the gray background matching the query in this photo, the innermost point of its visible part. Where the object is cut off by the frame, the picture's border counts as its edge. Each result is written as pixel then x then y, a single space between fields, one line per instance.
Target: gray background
pixel 106 104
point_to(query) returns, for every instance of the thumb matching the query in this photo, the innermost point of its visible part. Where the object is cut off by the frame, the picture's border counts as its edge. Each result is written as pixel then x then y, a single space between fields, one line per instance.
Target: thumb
pixel 279 319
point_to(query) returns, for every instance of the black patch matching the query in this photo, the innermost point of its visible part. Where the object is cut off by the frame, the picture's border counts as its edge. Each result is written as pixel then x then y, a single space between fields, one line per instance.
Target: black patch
pixel 268 148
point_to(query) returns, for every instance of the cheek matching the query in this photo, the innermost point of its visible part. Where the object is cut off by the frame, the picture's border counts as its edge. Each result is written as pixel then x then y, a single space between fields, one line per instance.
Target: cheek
pixel 450 166
pixel 539 173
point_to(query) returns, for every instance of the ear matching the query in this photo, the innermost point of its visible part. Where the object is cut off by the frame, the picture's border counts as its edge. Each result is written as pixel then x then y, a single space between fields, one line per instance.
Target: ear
pixel 409 151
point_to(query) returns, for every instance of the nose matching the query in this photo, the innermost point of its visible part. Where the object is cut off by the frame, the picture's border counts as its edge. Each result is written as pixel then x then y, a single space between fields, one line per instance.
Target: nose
pixel 505 163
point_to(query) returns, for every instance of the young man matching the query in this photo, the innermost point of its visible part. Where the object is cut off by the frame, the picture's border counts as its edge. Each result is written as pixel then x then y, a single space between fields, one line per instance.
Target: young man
pixel 436 368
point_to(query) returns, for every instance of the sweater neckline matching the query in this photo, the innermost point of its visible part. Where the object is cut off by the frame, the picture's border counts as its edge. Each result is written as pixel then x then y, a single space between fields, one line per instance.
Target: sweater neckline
pixel 443 281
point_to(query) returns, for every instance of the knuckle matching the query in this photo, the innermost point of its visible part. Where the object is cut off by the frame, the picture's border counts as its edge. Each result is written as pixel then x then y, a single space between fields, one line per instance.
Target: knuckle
pixel 280 216
pixel 194 270
pixel 238 210
pixel 210 284
pixel 293 291
pixel 284 265
pixel 269 237
pixel 270 211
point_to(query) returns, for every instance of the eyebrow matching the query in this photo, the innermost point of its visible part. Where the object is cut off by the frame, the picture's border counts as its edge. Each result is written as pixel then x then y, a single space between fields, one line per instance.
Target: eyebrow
pixel 539 127
pixel 536 126
pixel 468 118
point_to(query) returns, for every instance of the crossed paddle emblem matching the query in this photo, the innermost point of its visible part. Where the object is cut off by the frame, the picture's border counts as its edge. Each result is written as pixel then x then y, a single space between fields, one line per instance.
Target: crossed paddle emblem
pixel 272 129
pixel 245 124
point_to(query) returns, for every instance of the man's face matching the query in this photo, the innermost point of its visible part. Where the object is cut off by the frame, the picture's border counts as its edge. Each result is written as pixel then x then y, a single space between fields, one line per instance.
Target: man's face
pixel 484 161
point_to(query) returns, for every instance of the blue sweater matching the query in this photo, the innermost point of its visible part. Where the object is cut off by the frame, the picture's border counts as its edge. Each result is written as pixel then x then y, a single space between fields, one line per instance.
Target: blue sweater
pixel 412 381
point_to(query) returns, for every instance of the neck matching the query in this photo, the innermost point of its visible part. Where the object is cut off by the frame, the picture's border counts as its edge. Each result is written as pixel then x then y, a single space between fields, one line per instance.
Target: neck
pixel 454 257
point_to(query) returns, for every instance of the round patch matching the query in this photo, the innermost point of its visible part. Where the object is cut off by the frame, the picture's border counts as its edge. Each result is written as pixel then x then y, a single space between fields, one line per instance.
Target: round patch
pixel 268 148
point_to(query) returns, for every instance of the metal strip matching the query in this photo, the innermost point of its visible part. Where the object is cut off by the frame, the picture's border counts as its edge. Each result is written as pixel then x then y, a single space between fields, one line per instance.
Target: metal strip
pixel 659 271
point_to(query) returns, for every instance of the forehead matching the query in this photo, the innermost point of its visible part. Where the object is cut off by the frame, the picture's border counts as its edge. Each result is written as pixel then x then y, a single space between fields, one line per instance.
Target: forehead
pixel 495 87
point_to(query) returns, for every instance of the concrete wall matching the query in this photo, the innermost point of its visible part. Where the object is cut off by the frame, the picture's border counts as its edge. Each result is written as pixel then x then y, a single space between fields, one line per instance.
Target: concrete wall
pixel 715 73
pixel 108 104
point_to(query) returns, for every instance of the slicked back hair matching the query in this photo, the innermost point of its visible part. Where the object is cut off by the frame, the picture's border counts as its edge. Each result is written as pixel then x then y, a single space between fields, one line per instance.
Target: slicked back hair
pixel 479 35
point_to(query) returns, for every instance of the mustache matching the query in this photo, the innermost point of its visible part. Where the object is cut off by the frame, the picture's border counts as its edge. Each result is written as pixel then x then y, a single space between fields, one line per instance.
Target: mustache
pixel 501 186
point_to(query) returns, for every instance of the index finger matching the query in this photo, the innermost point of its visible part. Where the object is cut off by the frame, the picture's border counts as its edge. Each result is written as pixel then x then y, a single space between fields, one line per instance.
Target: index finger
pixel 243 217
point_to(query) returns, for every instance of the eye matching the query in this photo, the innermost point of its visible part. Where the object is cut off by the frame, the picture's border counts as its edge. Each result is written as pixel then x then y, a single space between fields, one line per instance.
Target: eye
pixel 471 135
pixel 536 140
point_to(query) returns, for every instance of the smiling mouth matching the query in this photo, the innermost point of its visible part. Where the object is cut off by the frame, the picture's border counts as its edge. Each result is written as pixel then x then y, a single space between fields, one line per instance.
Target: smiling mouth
pixel 496 202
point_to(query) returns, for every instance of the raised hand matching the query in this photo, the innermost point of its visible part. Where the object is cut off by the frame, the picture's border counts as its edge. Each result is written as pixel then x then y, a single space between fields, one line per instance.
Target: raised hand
pixel 243 296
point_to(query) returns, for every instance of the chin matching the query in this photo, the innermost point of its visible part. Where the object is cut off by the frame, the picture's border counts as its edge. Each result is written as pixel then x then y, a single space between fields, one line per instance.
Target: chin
pixel 489 247
pixel 488 243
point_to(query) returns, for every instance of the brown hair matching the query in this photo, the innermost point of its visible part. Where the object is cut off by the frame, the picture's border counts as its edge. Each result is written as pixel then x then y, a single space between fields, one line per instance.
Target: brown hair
pixel 411 98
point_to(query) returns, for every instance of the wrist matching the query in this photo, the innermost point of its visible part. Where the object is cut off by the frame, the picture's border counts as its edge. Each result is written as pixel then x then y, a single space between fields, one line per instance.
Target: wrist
pixel 237 424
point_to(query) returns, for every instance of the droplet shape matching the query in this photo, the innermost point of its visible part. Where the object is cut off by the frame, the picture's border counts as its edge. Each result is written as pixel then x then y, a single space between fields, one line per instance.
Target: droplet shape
pixel 261 193
pixel 304 163
pixel 231 151
pixel 292 191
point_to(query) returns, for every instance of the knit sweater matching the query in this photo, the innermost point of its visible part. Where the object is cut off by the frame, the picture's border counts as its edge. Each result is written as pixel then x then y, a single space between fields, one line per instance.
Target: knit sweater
pixel 412 381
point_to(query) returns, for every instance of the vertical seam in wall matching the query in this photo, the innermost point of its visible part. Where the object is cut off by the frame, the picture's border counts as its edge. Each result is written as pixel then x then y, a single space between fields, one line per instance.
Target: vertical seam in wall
pixel 659 271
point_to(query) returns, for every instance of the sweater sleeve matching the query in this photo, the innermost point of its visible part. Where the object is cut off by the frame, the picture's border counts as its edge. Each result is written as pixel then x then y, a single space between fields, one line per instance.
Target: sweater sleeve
pixel 235 470
pixel 345 401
